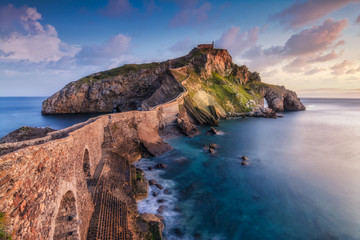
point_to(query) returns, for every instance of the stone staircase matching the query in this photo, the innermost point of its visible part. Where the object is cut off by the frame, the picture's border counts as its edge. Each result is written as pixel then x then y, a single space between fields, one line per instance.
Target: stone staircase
pixel 109 220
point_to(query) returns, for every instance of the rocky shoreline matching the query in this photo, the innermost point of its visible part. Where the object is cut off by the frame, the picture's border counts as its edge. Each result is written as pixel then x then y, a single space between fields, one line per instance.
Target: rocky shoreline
pixel 202 87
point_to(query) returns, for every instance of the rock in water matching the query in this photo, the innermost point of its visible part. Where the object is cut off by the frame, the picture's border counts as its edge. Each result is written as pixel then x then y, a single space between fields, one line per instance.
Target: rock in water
pixel 161 209
pixel 245 158
pixel 213 145
pixel 279 98
pixel 212 131
pixel 185 125
pixel 212 151
pixel 26 133
pixel 159 186
pixel 152 182
pixel 160 166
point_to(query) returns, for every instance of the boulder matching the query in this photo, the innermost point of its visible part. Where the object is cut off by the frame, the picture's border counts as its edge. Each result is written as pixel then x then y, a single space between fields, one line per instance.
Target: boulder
pixel 161 209
pixel 213 146
pixel 152 182
pixel 160 166
pixel 150 226
pixel 162 219
pixel 212 151
pixel 245 158
pixel 159 186
pixel 212 131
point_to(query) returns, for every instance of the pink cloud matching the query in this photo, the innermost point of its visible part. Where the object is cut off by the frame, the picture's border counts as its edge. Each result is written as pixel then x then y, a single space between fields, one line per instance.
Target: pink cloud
pixel 25 38
pixel 357 19
pixel 341 68
pixel 308 46
pixel 116 8
pixel 303 64
pixel 302 13
pixel 297 65
pixel 113 48
pixel 314 71
pixel 326 57
pixel 315 39
pixel 236 41
pixel 190 12
pixel 182 46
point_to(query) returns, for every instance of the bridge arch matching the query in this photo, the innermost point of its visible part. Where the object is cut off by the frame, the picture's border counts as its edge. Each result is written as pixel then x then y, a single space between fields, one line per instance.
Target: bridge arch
pixel 66 222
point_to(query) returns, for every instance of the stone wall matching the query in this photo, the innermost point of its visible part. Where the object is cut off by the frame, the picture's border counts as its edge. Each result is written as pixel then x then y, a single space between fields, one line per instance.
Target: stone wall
pixel 35 179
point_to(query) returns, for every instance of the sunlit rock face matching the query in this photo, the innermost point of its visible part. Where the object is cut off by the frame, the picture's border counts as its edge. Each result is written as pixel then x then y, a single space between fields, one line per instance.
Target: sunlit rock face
pixel 208 75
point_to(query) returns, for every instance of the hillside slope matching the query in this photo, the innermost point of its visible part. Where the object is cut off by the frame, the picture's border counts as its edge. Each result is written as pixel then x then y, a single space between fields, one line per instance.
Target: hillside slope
pixel 216 88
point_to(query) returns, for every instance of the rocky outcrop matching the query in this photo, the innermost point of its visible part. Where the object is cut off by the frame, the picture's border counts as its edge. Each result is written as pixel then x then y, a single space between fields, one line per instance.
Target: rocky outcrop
pixel 150 226
pixel 185 125
pixel 131 87
pixel 278 98
pixel 216 87
pixel 26 133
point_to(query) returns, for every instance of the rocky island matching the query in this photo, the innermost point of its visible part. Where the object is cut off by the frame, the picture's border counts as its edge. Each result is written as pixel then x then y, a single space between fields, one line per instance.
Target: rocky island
pixel 79 182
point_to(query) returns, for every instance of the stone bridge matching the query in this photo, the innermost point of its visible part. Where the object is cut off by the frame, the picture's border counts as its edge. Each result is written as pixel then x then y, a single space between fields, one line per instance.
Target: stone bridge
pixel 57 186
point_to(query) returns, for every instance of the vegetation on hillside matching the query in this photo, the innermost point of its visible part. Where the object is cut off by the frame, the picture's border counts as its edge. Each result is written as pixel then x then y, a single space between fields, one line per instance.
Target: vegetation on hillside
pixel 4 235
pixel 123 70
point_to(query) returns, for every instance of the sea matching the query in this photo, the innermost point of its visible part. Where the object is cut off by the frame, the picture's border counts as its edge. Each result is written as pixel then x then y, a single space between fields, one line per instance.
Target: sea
pixel 16 112
pixel 301 181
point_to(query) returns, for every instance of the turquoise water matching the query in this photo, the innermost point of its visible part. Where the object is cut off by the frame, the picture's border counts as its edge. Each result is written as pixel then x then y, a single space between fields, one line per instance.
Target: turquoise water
pixel 16 112
pixel 302 181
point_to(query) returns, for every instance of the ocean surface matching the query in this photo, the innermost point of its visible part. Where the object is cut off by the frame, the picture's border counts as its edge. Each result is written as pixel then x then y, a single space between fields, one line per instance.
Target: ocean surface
pixel 16 112
pixel 302 181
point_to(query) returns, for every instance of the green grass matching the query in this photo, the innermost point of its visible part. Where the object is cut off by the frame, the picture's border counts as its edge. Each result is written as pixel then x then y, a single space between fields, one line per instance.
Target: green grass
pixel 123 70
pixel 4 235
pixel 226 91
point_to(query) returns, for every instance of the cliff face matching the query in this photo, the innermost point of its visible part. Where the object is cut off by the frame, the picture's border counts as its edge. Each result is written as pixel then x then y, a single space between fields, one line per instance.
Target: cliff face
pixel 215 87
pixel 127 88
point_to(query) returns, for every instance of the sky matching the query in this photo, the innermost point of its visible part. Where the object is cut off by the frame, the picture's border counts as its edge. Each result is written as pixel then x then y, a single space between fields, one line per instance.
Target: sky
pixel 309 46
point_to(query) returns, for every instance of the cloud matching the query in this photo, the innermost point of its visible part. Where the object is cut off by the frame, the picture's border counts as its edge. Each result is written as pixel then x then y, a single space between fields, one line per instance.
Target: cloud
pixel 357 19
pixel 301 13
pixel 297 65
pixel 24 38
pixel 182 46
pixel 111 49
pixel 315 39
pixel 190 12
pixel 314 71
pixel 116 8
pixel 353 70
pixel 236 41
pixel 341 68
pixel 326 57
pixel 10 18
pixel 302 64
pixel 307 46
